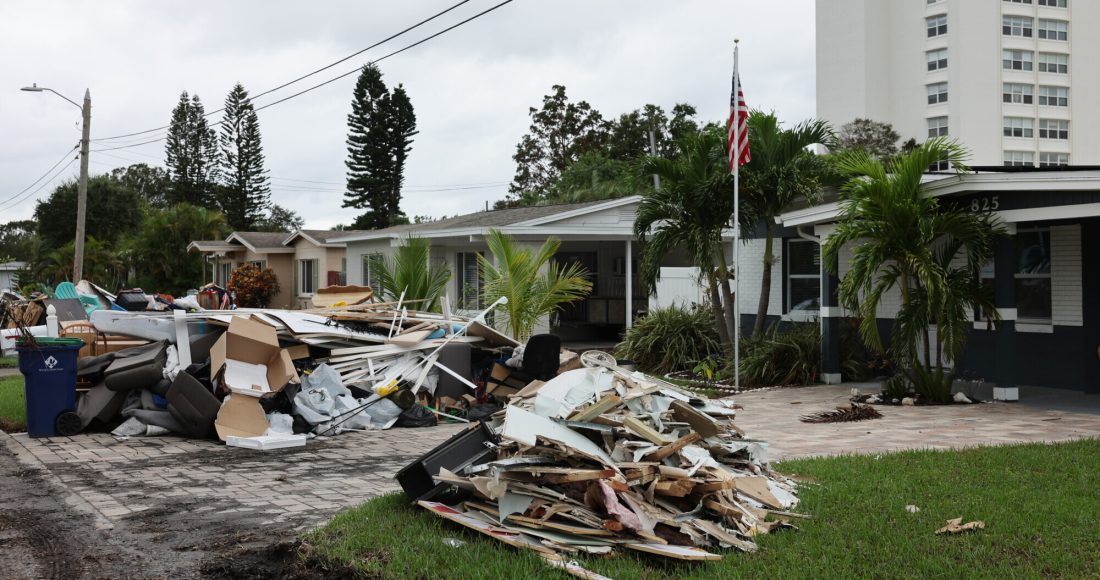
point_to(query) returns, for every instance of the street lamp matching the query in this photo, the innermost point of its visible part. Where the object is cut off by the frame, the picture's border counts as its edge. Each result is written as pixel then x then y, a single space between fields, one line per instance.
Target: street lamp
pixel 82 188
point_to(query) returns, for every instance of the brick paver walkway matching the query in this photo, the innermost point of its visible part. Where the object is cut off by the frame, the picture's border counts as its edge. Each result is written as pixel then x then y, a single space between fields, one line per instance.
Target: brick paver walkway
pixel 772 416
pixel 299 487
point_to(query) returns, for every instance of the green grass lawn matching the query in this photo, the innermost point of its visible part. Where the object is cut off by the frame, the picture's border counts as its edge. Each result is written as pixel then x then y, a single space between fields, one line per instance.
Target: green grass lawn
pixel 12 414
pixel 1040 504
pixel 9 362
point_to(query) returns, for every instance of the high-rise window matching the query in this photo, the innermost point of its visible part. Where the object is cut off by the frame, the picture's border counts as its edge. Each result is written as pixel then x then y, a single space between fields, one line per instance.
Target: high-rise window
pixel 1053 129
pixel 937 127
pixel 937 59
pixel 1019 127
pixel 1052 3
pixel 1019 93
pixel 1020 1
pixel 1053 62
pixel 1054 96
pixel 1053 159
pixel 937 93
pixel 1019 159
pixel 1017 26
pixel 937 25
pixel 1053 29
pixel 1017 59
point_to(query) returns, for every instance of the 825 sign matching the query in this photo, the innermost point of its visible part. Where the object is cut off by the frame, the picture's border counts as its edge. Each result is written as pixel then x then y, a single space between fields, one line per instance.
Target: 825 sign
pixel 985 203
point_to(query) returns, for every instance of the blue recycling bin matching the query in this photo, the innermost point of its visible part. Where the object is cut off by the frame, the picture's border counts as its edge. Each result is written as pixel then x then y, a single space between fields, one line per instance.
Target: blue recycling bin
pixel 49 381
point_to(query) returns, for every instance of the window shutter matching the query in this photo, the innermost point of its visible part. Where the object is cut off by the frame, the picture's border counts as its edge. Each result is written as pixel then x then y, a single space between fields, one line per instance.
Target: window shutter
pixel 313 267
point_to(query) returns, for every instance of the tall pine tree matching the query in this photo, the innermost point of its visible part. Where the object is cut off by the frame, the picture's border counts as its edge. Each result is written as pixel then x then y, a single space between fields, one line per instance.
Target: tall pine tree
pixel 246 194
pixel 191 154
pixel 380 130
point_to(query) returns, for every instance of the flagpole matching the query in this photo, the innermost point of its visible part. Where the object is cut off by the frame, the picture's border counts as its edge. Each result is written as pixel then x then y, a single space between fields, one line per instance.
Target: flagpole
pixel 736 222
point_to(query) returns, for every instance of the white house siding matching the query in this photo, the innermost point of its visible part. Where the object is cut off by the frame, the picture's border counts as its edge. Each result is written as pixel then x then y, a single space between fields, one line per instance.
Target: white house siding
pixel 355 252
pixel 1065 273
pixel 752 269
pixel 891 301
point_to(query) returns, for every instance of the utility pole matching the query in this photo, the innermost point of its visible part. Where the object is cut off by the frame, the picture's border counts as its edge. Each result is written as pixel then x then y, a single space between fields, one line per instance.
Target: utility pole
pixel 82 188
pixel 653 152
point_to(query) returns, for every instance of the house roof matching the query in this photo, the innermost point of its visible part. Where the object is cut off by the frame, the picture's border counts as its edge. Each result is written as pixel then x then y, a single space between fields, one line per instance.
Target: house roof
pixel 212 246
pixel 499 218
pixel 322 237
pixel 964 183
pixel 261 242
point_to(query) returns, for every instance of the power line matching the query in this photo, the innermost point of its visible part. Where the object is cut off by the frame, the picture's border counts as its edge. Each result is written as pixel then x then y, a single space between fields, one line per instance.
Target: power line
pixel 307 75
pixel 48 171
pixel 40 187
pixel 334 79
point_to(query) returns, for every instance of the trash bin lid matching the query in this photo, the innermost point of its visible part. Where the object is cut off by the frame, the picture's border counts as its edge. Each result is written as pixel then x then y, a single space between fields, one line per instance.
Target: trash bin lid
pixel 40 341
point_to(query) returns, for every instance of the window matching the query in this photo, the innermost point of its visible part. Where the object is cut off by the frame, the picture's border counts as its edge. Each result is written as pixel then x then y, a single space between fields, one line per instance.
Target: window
pixel 1019 127
pixel 803 275
pixel 1019 159
pixel 469 280
pixel 307 276
pixel 1017 59
pixel 1053 159
pixel 1033 276
pixel 937 127
pixel 1052 3
pixel 1053 129
pixel 1017 26
pixel 370 273
pixel 941 165
pixel 1053 62
pixel 937 25
pixel 226 272
pixel 937 59
pixel 1053 29
pixel 1019 93
pixel 1054 96
pixel 1021 1
pixel 934 1
pixel 260 264
pixel 937 93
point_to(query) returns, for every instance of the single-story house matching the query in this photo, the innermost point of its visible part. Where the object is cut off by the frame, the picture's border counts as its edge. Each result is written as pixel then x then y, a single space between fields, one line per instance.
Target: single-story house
pixel 9 275
pixel 1043 274
pixel 303 261
pixel 599 235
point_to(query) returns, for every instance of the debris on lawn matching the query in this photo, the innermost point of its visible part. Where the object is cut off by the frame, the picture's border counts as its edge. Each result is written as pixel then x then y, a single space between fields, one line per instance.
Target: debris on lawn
pixel 956 526
pixel 843 414
pixel 912 509
pixel 601 459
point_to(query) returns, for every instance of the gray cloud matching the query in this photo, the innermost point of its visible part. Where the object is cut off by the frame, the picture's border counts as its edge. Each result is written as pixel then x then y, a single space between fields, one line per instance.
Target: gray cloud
pixel 471 88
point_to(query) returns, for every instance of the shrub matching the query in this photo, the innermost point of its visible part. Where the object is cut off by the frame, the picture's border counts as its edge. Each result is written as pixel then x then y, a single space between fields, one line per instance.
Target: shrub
pixel 253 287
pixel 670 339
pixel 777 357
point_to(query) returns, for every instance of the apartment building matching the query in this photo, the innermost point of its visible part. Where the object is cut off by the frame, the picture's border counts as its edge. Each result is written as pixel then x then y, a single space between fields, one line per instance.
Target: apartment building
pixel 1016 81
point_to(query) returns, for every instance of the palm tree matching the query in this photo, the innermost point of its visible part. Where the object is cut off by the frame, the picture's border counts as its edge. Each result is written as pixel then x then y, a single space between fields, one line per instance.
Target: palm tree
pixel 782 171
pixel 691 209
pixel 412 275
pixel 932 253
pixel 514 273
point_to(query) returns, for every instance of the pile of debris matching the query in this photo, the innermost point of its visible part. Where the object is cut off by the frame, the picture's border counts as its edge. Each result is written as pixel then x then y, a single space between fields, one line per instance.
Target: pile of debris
pixel 599 459
pixel 269 378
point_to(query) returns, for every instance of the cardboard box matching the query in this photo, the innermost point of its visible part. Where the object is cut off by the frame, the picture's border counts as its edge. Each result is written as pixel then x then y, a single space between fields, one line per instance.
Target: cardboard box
pixel 248 361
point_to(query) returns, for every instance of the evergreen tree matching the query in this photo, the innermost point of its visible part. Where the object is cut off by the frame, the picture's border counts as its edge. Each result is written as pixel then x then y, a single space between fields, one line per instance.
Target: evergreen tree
pixel 191 154
pixel 246 195
pixel 380 130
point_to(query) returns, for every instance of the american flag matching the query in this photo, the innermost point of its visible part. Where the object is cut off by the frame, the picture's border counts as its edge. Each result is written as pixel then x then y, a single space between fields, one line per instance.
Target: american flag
pixel 739 114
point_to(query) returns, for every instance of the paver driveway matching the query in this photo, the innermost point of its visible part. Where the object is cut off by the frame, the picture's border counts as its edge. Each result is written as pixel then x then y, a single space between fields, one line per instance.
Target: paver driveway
pixel 772 416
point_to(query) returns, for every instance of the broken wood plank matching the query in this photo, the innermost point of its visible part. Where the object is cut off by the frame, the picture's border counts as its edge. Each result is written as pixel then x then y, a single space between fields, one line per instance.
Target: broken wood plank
pixel 673 447
pixel 700 422
pixel 596 409
pixel 644 431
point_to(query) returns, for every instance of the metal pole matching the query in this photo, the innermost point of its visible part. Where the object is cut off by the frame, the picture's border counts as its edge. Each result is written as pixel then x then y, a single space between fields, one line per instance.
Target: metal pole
pixel 82 189
pixel 736 224
pixel 629 283
pixel 653 152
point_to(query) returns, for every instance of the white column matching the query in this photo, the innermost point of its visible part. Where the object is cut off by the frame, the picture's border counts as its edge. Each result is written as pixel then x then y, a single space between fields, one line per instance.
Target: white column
pixel 629 284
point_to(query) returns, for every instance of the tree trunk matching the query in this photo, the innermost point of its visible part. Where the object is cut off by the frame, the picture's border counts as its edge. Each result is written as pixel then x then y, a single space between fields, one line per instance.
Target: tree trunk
pixel 765 281
pixel 716 308
pixel 730 309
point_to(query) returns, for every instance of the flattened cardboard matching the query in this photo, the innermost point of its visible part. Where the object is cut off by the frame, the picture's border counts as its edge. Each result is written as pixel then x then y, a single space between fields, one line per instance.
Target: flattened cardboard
pixel 255 343
pixel 240 416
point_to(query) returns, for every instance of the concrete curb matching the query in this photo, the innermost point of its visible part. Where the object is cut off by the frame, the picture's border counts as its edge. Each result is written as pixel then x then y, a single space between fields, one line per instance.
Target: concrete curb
pixel 72 499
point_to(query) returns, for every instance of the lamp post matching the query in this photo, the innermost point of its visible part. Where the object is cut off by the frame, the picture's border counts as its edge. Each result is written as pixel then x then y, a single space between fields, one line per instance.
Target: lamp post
pixel 82 188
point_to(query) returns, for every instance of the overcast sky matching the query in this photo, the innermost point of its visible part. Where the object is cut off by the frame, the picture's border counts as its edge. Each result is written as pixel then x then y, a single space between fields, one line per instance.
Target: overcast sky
pixel 471 87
